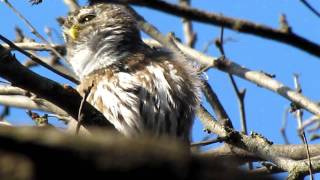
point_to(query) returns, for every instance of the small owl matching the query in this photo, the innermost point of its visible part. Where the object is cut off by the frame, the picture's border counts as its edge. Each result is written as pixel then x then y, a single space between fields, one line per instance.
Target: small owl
pixel 139 89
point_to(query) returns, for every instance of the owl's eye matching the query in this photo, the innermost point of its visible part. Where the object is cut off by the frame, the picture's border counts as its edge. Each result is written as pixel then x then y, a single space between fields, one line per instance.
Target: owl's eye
pixel 86 18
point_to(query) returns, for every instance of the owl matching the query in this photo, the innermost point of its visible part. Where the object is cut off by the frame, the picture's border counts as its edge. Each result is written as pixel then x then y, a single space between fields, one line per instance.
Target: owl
pixel 139 89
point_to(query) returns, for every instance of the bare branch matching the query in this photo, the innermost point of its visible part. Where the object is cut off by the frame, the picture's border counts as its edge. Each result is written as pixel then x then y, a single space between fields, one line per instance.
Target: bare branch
pixel 10 90
pixel 256 77
pixel 189 34
pixel 107 155
pixel 308 122
pixel 64 97
pixel 213 100
pixel 284 125
pixel 208 142
pixel 39 61
pixel 266 170
pixel 304 2
pixel 257 145
pixel 80 113
pixel 32 29
pixel 292 151
pixel 34 46
pixel 301 133
pixel 240 25
pixel 240 94
pixel 27 103
pixel 267 82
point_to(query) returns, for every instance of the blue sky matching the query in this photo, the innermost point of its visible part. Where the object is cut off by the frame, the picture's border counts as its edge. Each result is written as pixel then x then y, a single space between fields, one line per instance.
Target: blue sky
pixel 264 108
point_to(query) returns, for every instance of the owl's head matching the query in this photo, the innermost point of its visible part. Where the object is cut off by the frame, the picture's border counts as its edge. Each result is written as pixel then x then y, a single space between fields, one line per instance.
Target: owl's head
pixel 99 35
pixel 107 19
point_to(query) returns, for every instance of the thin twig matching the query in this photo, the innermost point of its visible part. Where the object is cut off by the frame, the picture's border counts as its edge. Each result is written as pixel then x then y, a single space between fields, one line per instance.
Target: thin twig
pixel 309 122
pixel 189 34
pixel 80 115
pixel 39 61
pixel 217 107
pixel 312 9
pixel 315 127
pixel 219 42
pixel 267 169
pixel 207 45
pixel 305 141
pixel 302 134
pixel 240 97
pixel 32 29
pixel 314 137
pixel 240 94
pixel 284 125
pixel 209 141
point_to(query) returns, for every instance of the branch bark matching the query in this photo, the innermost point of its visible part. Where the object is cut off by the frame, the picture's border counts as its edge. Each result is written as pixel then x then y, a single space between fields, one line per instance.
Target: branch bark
pixel 240 25
pixel 259 146
pixel 27 103
pixel 292 151
pixel 49 154
pixel 267 82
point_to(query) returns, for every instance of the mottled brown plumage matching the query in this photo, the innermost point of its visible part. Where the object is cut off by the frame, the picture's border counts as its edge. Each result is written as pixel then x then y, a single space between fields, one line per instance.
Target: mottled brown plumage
pixel 139 89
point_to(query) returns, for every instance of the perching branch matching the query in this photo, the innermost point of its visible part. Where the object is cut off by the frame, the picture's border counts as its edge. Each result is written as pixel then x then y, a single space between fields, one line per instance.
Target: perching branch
pixel 106 156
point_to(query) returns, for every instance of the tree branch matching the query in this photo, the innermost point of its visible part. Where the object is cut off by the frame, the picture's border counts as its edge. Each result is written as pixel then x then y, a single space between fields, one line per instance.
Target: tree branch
pixel 259 146
pixel 217 107
pixel 267 82
pixel 106 156
pixel 292 151
pixel 189 34
pixel 64 97
pixel 256 77
pixel 240 25
pixel 34 46
pixel 27 103
pixel 312 9
pixel 68 75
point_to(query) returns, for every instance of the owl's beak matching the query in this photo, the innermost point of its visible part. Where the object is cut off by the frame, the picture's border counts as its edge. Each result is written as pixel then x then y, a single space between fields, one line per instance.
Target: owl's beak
pixel 73 32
